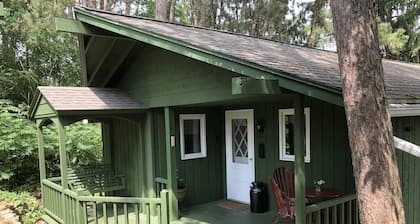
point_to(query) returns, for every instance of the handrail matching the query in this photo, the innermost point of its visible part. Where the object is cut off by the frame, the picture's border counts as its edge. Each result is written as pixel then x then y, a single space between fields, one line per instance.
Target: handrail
pixel 329 203
pixel 119 199
pixel 52 185
pixel 161 180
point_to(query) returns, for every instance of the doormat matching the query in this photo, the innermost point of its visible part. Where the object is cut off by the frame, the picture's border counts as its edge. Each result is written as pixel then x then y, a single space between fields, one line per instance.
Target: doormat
pixel 235 206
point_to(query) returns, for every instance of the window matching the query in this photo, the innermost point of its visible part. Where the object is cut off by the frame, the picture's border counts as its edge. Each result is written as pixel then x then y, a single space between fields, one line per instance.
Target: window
pixel 286 125
pixel 193 136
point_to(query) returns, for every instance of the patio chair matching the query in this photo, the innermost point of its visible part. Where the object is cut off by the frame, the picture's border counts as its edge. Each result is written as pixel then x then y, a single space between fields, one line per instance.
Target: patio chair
pixel 282 183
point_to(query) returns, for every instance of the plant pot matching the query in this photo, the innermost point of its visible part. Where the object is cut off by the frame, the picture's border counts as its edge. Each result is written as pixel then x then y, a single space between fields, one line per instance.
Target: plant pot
pixel 181 193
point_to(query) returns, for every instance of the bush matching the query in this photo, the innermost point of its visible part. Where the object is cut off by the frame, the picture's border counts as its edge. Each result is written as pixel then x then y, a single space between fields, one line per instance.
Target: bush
pixel 24 204
pixel 19 146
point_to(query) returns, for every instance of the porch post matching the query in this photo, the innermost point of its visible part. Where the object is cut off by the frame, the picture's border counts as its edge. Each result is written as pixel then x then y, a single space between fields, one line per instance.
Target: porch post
pixel 41 152
pixel 63 155
pixel 299 135
pixel 171 162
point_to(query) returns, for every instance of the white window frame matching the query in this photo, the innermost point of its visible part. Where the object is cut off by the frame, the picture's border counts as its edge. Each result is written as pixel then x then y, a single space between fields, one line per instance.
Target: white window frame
pixel 282 137
pixel 202 118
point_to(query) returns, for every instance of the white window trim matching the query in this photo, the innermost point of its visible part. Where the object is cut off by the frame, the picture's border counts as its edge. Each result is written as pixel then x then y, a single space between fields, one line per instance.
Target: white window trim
pixel 282 138
pixel 202 118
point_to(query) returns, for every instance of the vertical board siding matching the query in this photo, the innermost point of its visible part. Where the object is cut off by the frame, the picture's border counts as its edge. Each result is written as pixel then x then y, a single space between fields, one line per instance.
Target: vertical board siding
pixel 408 128
pixel 330 152
pixel 204 176
pixel 159 78
pixel 127 155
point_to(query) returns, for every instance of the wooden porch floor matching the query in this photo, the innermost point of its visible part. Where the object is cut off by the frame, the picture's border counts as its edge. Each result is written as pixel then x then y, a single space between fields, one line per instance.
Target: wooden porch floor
pixel 223 212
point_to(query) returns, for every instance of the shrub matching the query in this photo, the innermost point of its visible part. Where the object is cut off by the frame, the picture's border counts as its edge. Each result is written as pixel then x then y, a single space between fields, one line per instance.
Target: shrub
pixel 19 146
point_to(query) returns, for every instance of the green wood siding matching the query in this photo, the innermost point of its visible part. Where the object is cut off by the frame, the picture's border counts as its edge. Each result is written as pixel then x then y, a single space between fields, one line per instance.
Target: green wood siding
pixel 44 110
pixel 408 128
pixel 330 153
pixel 160 78
pixel 204 177
pixel 127 155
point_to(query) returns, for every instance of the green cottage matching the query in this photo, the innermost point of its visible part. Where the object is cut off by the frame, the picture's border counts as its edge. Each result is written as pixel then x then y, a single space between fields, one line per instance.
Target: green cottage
pixel 215 111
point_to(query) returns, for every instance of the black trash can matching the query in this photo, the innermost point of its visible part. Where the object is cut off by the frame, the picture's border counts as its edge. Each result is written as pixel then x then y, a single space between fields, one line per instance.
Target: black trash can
pixel 259 198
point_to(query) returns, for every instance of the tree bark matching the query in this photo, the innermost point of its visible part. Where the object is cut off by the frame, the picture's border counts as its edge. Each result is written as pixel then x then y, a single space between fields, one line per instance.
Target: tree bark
pixel 161 10
pixel 172 11
pixel 314 34
pixel 127 7
pixel 369 124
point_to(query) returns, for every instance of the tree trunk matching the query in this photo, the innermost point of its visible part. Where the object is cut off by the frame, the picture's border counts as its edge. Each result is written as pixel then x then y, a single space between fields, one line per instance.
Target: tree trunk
pixel 314 34
pixel 172 11
pixel 127 7
pixel 161 8
pixel 369 124
pixel 195 12
pixel 206 13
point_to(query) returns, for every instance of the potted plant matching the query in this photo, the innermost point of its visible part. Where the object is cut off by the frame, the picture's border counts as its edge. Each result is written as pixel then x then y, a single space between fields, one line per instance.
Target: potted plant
pixel 182 189
pixel 318 185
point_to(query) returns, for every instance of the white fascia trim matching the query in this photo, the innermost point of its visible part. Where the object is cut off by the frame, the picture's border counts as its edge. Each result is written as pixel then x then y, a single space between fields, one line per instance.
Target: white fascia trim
pixel 407 147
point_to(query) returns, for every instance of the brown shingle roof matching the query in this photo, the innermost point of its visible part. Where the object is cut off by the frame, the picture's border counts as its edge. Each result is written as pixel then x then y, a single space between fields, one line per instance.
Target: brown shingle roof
pixel 88 99
pixel 301 63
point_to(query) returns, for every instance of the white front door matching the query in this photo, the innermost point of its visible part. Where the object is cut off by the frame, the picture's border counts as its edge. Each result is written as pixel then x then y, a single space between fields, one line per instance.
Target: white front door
pixel 240 170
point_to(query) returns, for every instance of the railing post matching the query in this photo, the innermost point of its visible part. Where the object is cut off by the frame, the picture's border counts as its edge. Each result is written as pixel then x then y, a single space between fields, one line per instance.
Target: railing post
pixel 164 206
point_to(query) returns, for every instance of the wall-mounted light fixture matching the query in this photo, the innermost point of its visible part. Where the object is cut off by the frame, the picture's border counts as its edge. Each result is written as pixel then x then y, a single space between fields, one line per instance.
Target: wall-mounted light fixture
pixel 260 126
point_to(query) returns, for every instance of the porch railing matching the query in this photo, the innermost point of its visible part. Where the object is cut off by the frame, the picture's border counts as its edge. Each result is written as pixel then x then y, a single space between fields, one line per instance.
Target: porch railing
pixel 160 184
pixel 342 210
pixel 65 206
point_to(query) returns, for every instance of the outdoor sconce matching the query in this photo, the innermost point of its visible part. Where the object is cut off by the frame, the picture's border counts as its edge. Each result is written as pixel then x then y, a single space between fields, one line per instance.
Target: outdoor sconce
pixel 260 126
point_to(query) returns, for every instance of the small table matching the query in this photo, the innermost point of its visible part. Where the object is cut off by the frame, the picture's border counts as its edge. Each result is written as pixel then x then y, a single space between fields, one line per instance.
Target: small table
pixel 325 193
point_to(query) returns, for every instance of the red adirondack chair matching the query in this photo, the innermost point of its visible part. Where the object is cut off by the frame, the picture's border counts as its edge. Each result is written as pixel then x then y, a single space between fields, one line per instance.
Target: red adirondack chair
pixel 283 185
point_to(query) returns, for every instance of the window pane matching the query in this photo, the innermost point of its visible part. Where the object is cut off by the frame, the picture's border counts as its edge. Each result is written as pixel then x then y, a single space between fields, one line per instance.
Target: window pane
pixel 288 130
pixel 192 140
pixel 240 141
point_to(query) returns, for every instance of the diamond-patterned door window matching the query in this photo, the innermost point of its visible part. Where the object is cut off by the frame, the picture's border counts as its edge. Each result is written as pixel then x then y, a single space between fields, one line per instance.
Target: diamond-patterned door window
pixel 240 141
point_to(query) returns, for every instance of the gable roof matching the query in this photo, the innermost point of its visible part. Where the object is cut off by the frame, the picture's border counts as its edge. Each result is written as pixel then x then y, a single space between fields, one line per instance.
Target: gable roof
pixel 307 66
pixel 73 99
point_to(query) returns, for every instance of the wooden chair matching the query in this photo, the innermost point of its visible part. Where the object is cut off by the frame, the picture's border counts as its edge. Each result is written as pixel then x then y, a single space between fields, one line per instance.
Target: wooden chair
pixel 91 179
pixel 283 185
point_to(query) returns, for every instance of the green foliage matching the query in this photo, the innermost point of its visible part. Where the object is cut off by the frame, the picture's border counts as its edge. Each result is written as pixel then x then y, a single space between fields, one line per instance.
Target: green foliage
pixel 19 146
pixel 32 52
pixel 394 41
pixel 25 205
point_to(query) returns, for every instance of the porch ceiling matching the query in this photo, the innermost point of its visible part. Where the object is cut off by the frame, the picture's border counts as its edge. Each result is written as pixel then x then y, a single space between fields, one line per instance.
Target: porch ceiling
pixel 83 101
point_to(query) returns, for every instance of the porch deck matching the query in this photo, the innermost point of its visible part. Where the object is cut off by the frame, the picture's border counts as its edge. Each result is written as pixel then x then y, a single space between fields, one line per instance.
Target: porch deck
pixel 223 212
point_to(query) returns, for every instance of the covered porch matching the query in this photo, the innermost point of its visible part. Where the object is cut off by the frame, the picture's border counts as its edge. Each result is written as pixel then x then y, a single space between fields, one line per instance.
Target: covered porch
pixel 93 193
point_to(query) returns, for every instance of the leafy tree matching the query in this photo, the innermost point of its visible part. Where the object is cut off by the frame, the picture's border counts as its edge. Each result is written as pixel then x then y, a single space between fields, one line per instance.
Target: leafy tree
pixel 33 53
pixel 19 146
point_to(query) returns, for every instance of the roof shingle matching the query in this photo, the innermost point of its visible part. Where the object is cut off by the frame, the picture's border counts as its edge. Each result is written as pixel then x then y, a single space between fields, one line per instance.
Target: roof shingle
pixel 306 64
pixel 88 99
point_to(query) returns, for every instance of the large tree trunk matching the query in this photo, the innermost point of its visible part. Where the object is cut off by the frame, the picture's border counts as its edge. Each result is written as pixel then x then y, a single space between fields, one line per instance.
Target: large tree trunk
pixel 369 124
pixel 314 34
pixel 161 8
